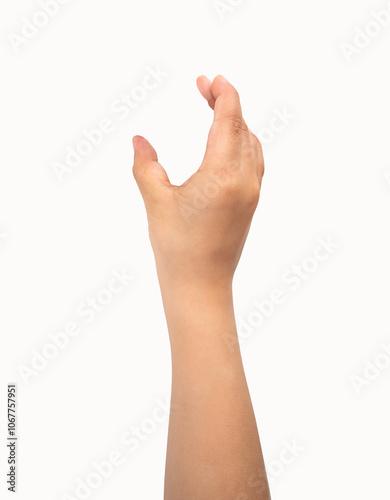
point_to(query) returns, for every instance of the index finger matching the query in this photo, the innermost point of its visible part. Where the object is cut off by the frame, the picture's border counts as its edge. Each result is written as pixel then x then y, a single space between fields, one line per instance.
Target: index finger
pixel 229 131
pixel 227 101
pixel 222 97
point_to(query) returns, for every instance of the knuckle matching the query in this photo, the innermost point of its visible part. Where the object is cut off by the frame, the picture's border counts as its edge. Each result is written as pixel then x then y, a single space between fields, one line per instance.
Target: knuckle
pixel 236 124
pixel 253 196
pixel 257 142
pixel 259 166
pixel 262 169
pixel 231 185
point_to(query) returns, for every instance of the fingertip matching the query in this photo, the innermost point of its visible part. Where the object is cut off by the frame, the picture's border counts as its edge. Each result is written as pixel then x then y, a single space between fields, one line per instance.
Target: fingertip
pixel 227 99
pixel 201 80
pixel 143 149
pixel 220 79
pixel 204 86
pixel 138 140
pixel 221 84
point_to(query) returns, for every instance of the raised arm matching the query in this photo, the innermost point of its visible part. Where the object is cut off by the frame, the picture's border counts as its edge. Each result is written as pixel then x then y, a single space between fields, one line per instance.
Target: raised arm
pixel 198 231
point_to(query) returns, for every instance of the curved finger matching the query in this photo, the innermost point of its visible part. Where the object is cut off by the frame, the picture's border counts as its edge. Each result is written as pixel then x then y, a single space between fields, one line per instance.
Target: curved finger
pixel 204 86
pixel 229 130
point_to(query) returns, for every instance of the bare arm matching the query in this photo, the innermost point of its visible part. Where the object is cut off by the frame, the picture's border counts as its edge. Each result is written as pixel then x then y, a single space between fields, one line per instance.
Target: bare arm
pixel 198 231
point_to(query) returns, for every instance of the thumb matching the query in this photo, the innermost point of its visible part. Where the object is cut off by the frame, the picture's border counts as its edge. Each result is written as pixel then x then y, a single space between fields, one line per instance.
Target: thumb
pixel 148 173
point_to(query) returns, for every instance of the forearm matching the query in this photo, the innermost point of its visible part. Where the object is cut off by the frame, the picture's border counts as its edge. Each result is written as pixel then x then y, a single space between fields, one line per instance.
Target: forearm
pixel 213 445
pixel 198 231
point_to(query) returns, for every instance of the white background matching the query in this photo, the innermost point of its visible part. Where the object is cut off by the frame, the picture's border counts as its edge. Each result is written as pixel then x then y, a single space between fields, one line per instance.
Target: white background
pixel 325 177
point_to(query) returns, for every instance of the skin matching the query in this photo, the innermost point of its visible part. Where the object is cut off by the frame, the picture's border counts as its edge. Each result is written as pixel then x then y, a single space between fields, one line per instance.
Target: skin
pixel 197 231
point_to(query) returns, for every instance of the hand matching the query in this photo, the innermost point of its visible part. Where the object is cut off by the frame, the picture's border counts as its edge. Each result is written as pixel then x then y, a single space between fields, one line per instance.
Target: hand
pixel 198 229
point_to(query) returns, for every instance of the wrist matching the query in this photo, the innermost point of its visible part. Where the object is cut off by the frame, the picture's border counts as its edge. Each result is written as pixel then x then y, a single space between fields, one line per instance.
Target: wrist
pixel 186 279
pixel 197 307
